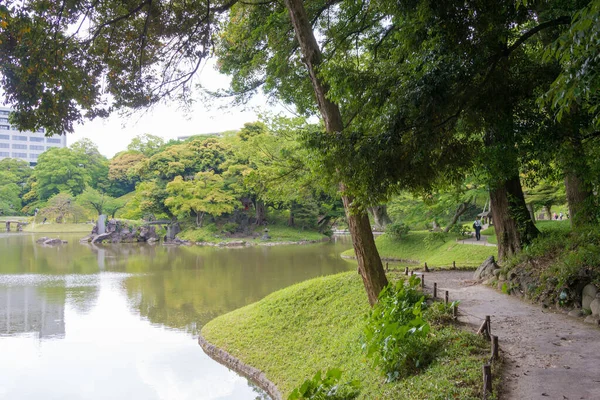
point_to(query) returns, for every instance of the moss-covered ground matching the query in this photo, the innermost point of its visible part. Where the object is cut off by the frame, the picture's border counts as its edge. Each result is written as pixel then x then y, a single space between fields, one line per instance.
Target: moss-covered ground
pixel 317 325
pixel 436 250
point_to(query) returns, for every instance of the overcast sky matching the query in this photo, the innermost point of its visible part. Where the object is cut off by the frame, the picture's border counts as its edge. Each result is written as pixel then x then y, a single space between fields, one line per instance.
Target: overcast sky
pixel 169 121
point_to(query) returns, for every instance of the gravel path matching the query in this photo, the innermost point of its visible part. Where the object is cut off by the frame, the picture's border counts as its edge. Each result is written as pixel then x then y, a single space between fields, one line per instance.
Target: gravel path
pixel 548 354
pixel 482 242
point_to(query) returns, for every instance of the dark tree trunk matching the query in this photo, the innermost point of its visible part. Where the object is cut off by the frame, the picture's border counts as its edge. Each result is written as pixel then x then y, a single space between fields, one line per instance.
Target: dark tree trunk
pixel 291 217
pixel 512 222
pixel 369 263
pixel 380 216
pixel 261 213
pixel 460 210
pixel 548 209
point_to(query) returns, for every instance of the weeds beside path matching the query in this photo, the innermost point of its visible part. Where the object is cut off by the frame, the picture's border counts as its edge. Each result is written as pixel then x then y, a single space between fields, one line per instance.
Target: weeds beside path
pixel 547 354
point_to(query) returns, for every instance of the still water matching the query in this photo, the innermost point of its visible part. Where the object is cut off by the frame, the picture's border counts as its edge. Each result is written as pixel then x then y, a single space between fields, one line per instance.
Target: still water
pixel 121 321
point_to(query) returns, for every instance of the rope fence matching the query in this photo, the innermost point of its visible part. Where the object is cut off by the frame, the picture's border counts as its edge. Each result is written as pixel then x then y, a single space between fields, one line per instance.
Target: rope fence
pixel 484 330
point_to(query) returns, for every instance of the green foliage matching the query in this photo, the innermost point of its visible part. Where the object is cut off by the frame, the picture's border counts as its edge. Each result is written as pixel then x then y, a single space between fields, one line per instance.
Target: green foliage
pixel 146 144
pixel 433 239
pixel 230 227
pixel 62 208
pixel 99 203
pixel 561 260
pixel 577 50
pixel 397 230
pixel 396 333
pixel 326 387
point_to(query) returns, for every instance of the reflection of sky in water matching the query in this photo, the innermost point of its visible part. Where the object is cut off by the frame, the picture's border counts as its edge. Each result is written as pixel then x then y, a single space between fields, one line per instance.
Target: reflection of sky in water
pixel 108 353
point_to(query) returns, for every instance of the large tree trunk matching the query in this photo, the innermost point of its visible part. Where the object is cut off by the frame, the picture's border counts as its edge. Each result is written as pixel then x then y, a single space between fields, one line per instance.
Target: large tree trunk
pixel 380 216
pixel 578 190
pixel 261 213
pixel 578 195
pixel 512 222
pixel 548 209
pixel 369 263
pixel 460 210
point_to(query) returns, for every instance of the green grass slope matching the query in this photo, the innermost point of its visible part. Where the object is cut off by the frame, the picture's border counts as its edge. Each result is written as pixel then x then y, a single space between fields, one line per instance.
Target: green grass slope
pixel 317 325
pixel 415 246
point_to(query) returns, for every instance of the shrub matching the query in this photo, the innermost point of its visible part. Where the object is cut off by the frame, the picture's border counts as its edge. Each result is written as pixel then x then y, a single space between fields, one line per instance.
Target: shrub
pixel 230 227
pixel 433 238
pixel 396 333
pixel 326 387
pixel 397 229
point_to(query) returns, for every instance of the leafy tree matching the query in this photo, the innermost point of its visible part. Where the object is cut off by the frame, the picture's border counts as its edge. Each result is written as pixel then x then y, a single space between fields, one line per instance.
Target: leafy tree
pixel 146 144
pixel 94 163
pixel 100 203
pixel 60 170
pixel 202 195
pixel 123 172
pixel 60 207
pixel 13 177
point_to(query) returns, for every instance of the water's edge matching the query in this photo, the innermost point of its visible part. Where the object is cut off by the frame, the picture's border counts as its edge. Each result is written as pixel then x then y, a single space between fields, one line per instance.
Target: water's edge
pixel 241 368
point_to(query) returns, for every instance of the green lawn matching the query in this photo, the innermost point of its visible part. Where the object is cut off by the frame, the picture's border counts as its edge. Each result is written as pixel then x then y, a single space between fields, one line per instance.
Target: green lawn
pixel 317 325
pixel 438 253
pixel 278 233
pixel 543 225
pixel 58 228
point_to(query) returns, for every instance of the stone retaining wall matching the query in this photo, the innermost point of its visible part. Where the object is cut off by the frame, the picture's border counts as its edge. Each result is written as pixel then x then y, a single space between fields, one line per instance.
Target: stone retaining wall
pixel 255 375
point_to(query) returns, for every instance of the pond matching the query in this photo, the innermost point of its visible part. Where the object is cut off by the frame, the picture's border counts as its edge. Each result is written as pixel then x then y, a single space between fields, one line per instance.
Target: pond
pixel 121 321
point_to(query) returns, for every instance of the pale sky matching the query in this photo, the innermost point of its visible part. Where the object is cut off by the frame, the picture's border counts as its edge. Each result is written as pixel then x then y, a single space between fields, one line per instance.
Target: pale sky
pixel 169 121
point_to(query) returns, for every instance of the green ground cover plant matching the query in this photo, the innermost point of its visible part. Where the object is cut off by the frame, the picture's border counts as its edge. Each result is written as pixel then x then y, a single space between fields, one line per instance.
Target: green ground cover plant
pixel 418 246
pixel 319 324
pixel 557 264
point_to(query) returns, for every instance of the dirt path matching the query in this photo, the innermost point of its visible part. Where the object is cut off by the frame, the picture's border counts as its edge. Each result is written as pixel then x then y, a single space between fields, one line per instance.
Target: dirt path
pixel 482 242
pixel 548 355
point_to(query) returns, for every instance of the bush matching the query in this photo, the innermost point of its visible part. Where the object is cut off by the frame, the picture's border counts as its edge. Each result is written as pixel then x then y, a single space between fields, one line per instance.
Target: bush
pixel 326 388
pixel 397 229
pixel 230 227
pixel 434 238
pixel 396 333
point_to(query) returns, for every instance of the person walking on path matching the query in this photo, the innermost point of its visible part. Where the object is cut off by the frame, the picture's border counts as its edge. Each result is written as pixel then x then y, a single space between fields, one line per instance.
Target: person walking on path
pixel 477 227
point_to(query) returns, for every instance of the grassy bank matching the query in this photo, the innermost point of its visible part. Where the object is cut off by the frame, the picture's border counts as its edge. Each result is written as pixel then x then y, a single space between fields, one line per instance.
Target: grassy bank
pixel 557 265
pixel 543 225
pixel 421 247
pixel 58 228
pixel 278 233
pixel 318 324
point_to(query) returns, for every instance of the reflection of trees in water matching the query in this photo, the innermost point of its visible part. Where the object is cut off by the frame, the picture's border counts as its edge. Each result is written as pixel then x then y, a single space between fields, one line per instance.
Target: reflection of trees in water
pixel 188 286
pixel 21 255
pixel 25 309
pixel 260 394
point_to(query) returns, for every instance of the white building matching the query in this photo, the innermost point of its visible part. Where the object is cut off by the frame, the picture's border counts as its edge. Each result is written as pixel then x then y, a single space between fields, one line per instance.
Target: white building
pixel 26 146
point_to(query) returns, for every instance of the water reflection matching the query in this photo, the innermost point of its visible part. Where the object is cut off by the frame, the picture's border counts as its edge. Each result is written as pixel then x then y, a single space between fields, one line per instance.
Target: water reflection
pixel 24 310
pixel 118 321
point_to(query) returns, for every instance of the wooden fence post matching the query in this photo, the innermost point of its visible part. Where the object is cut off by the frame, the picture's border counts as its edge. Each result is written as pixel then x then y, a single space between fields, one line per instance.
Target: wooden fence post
pixel 487 380
pixel 435 290
pixel 494 347
pixel 454 264
pixel 455 311
pixel 406 271
pixel 423 281
pixel 446 297
pixel 426 269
